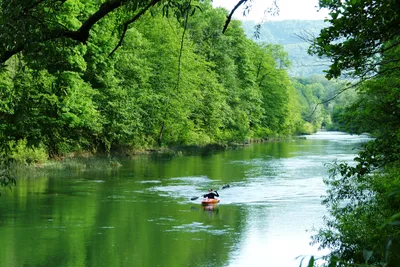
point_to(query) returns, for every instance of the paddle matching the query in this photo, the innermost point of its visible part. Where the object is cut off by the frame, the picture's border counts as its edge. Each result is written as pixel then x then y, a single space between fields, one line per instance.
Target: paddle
pixel 223 187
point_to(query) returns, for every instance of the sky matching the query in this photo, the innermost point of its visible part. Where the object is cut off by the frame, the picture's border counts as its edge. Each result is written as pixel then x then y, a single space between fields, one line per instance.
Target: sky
pixel 289 9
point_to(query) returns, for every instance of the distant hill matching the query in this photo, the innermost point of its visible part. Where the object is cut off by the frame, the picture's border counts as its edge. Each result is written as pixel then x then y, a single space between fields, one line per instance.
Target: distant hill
pixel 287 33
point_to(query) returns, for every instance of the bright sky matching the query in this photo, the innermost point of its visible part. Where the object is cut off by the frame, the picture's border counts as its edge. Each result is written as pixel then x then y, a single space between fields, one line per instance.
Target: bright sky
pixel 288 9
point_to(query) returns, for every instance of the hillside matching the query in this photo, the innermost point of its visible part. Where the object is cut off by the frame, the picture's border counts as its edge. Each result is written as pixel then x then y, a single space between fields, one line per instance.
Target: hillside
pixel 287 33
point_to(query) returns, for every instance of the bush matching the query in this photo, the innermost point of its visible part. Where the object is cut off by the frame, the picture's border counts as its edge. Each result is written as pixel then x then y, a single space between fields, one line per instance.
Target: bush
pixel 360 206
pixel 22 153
pixel 306 128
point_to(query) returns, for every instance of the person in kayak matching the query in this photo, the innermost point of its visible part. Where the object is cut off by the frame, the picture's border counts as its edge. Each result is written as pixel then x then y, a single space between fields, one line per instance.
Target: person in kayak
pixel 211 194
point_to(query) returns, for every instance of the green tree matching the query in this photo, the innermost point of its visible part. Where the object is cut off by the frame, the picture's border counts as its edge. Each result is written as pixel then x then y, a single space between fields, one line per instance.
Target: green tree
pixel 360 32
pixel 80 75
pixel 27 27
pixel 362 41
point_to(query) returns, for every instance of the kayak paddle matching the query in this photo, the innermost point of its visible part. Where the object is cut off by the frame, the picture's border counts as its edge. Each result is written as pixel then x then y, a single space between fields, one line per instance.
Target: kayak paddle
pixel 223 187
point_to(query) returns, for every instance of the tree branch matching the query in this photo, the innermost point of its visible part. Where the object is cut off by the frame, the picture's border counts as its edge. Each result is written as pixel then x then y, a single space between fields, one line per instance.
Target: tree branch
pixel 182 42
pixel 229 17
pixel 341 91
pixel 82 34
pixel 126 24
pixel 9 53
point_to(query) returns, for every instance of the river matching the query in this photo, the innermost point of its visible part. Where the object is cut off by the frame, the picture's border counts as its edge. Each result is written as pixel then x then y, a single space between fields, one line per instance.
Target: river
pixel 141 214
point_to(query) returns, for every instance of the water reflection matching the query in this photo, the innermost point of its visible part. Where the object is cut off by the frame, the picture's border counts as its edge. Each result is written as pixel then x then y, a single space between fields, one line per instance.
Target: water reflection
pixel 143 215
pixel 210 208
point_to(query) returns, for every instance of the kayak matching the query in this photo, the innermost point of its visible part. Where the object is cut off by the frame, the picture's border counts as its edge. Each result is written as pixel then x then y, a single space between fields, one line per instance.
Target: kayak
pixel 209 201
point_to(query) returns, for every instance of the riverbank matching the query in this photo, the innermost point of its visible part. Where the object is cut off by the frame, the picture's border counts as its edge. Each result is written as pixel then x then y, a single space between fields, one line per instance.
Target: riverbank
pixel 32 162
pixel 180 150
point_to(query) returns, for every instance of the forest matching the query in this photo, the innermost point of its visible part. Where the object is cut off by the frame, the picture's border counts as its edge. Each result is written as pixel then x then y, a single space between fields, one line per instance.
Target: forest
pixel 183 82
pixel 118 76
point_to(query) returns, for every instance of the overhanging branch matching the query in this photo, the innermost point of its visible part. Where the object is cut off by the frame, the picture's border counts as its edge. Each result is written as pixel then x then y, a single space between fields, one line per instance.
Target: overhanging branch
pixel 339 92
pixel 80 35
pixel 127 23
pixel 229 17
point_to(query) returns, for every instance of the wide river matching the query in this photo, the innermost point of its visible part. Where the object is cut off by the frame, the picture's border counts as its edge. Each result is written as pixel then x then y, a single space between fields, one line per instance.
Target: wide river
pixel 140 214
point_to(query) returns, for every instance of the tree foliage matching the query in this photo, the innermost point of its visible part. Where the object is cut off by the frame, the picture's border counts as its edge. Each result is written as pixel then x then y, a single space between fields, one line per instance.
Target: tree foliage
pixel 360 33
pixel 27 26
pixel 322 101
pixel 175 78
pixel 362 198
pixel 360 208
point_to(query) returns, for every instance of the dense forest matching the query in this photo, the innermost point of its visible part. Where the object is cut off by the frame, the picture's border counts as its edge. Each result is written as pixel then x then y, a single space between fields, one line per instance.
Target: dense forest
pixel 183 82
pixel 113 75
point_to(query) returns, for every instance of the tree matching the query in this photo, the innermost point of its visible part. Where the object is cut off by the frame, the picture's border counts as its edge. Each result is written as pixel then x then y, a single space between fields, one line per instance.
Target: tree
pixel 27 25
pixel 361 32
pixel 363 41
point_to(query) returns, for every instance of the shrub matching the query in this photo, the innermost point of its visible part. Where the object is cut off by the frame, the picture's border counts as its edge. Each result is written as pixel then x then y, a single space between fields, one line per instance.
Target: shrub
pixel 22 153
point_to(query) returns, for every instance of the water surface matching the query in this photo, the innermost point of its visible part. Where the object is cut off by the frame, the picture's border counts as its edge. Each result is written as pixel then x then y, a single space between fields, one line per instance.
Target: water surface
pixel 140 214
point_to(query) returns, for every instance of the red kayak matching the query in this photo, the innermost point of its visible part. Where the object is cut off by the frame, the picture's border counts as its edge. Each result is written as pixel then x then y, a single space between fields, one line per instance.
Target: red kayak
pixel 209 201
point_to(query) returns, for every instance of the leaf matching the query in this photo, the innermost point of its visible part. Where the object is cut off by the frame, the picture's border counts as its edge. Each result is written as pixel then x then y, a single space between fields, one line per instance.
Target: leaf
pixel 394 220
pixel 311 262
pixel 386 251
pixel 301 261
pixel 394 193
pixel 367 254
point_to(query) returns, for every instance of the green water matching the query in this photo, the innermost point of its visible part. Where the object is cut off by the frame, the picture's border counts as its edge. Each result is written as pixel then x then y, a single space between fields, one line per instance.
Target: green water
pixel 140 214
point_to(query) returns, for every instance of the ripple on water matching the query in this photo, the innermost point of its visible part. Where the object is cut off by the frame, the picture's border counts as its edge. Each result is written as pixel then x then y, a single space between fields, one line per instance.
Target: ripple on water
pixel 338 136
pixel 251 162
pixel 265 191
pixel 176 191
pixel 197 227
pixel 162 220
pixel 150 182
pixel 116 197
pixel 183 187
pixel 191 179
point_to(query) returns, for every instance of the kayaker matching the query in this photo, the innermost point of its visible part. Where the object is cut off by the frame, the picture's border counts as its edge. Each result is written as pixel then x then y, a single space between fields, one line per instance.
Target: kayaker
pixel 211 194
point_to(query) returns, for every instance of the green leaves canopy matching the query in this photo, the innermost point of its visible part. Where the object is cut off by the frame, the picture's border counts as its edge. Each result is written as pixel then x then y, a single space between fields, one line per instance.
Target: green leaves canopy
pixel 363 42
pixel 360 33
pixel 175 80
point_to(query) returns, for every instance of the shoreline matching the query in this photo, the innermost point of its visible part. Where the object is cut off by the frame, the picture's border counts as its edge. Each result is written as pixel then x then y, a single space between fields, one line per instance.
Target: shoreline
pixel 88 160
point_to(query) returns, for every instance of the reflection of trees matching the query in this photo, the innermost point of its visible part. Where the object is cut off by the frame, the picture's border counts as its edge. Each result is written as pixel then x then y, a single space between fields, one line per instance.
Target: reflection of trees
pixel 75 222
pixel 111 219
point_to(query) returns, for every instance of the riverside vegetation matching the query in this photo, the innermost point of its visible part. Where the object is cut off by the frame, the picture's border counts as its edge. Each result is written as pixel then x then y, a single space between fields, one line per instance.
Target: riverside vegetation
pixel 175 80
pixel 363 200
pixel 99 77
